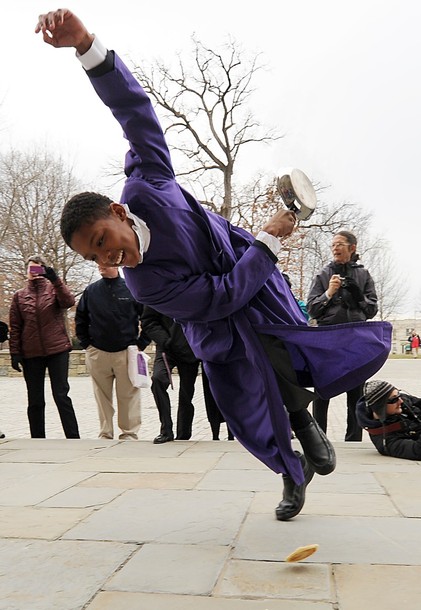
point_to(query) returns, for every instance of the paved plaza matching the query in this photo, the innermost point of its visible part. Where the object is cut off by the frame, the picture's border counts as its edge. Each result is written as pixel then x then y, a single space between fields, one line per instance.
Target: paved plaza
pixel 122 525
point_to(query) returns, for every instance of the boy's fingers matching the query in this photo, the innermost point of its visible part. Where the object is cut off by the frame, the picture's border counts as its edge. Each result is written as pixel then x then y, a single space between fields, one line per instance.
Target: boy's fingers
pixel 50 20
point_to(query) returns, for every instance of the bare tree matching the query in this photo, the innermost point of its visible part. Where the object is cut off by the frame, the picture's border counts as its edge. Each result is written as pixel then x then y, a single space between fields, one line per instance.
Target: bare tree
pixel 391 298
pixel 205 105
pixel 33 188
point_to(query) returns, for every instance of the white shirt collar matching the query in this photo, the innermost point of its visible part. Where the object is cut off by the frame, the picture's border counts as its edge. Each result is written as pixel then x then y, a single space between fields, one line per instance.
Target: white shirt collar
pixel 141 231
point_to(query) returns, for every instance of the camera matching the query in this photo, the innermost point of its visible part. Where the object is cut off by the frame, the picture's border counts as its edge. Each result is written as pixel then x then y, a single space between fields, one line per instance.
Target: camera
pixel 344 282
pixel 36 270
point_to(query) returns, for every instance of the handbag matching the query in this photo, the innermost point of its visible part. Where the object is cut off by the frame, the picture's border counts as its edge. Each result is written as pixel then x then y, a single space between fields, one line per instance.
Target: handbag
pixel 138 369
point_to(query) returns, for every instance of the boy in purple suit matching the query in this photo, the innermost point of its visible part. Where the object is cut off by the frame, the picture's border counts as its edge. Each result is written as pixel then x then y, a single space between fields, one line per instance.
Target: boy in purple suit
pixel 218 281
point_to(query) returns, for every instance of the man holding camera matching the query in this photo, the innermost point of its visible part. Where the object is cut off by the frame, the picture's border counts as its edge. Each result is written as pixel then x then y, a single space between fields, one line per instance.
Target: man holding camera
pixel 341 293
pixel 392 419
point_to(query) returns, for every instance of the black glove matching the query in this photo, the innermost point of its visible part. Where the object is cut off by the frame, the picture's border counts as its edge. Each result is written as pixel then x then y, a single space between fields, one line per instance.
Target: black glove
pixel 50 274
pixel 16 361
pixel 353 288
pixel 142 341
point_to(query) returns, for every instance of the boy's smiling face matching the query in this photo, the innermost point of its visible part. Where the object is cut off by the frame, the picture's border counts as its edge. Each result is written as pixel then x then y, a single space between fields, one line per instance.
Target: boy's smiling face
pixel 109 241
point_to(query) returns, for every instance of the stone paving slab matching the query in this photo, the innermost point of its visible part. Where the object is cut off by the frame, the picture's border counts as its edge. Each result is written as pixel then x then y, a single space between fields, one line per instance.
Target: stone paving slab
pixel 347 483
pixel 266 579
pixel 189 464
pixel 376 540
pixel 54 456
pixel 140 601
pixel 13 473
pixel 404 490
pixel 60 575
pixel 36 489
pixel 339 504
pixel 48 444
pixel 180 517
pixel 240 460
pixel 380 586
pixel 247 480
pixel 81 497
pixel 189 569
pixel 146 480
pixel 45 524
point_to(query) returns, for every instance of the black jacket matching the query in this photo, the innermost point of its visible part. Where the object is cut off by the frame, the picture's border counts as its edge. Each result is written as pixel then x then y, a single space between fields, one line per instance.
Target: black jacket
pixel 342 307
pixel 107 316
pixel 168 335
pixel 400 435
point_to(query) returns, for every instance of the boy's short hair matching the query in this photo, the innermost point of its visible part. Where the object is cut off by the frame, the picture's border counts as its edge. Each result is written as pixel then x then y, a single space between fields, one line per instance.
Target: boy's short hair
pixel 82 209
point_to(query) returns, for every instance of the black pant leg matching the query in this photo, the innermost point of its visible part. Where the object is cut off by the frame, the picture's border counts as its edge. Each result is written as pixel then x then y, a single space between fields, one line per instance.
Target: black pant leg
pixel 34 374
pixel 213 413
pixel 353 430
pixel 160 384
pixel 58 369
pixel 188 375
pixel 320 408
pixel 294 396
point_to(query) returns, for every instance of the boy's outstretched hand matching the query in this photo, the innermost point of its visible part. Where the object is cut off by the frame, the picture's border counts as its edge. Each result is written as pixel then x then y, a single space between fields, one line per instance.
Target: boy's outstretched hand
pixel 61 28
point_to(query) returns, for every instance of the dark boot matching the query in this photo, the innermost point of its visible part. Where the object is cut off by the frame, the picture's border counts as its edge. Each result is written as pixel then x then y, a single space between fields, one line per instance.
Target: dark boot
pixel 294 495
pixel 317 448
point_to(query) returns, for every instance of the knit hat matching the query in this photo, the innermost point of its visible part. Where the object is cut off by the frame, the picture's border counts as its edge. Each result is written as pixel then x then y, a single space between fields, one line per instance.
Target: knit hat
pixel 375 395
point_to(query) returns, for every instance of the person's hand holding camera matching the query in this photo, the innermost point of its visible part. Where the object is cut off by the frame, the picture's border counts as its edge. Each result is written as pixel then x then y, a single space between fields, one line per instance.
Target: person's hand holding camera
pixel 50 274
pixel 17 360
pixel 335 283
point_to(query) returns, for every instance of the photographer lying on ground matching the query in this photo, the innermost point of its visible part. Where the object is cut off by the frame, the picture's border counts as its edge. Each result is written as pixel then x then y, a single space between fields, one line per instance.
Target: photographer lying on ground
pixel 392 419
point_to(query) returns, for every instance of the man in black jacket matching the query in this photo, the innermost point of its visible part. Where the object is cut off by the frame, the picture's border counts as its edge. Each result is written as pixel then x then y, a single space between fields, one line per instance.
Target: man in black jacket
pixel 107 322
pixel 172 350
pixel 392 419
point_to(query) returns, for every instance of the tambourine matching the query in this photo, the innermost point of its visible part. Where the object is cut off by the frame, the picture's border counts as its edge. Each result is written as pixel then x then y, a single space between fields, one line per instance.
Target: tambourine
pixel 297 192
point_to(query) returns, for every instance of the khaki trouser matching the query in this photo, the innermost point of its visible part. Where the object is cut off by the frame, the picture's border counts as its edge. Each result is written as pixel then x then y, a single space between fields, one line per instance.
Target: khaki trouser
pixel 105 367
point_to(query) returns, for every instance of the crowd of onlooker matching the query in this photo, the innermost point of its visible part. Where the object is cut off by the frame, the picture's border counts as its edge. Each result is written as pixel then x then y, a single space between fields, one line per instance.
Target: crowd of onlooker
pixel 109 321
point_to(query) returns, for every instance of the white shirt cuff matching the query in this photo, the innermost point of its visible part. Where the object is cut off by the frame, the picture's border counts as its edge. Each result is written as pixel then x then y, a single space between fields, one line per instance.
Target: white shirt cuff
pixel 270 241
pixel 94 57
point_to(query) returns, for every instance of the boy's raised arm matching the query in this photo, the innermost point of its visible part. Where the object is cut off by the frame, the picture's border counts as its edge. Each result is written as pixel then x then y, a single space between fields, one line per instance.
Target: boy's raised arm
pixel 120 91
pixel 61 28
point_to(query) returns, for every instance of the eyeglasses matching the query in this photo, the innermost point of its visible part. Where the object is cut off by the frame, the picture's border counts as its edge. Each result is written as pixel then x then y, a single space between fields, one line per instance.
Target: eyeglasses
pixel 394 399
pixel 339 245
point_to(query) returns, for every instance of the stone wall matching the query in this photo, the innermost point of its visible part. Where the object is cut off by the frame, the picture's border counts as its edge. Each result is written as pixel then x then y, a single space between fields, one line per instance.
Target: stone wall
pixel 77 366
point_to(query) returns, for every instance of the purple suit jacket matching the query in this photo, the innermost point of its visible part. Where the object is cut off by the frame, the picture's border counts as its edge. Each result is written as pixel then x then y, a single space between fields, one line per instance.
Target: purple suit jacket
pixel 214 279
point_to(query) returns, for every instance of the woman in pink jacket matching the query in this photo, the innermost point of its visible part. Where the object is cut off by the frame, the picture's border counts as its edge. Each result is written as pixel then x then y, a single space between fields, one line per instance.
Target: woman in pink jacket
pixel 39 341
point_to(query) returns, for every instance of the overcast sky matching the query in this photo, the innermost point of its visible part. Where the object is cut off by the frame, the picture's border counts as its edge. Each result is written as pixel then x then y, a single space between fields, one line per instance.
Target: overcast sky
pixel 343 85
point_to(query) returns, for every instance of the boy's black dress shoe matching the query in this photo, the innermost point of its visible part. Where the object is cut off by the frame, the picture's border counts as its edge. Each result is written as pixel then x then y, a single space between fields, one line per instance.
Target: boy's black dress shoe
pixel 294 495
pixel 317 448
pixel 162 438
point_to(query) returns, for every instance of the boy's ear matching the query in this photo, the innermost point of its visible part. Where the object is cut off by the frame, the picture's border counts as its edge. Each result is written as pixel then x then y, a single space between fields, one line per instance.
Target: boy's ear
pixel 118 210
